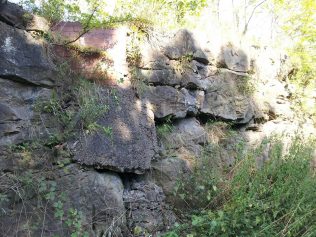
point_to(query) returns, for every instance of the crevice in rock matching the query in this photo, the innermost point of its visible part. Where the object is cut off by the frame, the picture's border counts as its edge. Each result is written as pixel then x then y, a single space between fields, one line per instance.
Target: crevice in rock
pixel 23 81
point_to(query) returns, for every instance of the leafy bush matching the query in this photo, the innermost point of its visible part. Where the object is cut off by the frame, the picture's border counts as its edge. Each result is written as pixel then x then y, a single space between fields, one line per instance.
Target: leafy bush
pixel 277 199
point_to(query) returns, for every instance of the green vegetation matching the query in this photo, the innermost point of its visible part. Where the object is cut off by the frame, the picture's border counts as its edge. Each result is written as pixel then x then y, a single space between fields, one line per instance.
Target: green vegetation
pixel 276 199
pixel 246 85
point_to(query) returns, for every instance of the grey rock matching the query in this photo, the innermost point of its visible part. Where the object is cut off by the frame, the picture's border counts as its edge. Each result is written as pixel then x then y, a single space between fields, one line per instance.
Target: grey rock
pixel 13 15
pixel 160 77
pixel 201 56
pixel 132 143
pixel 224 100
pixel 18 120
pixel 166 172
pixel 168 101
pixel 99 196
pixel 182 44
pixel 234 59
pixel 146 208
pixel 96 201
pixel 24 59
pixel 185 132
pixel 37 23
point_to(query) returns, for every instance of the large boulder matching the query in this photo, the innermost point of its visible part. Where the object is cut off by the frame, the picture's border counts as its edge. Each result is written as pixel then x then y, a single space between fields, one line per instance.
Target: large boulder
pixel 129 145
pixel 183 44
pixel 24 59
pixel 186 139
pixel 186 132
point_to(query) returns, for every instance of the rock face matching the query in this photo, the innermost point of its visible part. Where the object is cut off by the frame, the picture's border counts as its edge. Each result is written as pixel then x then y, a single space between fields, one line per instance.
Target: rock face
pixel 146 209
pixel 168 101
pixel 24 59
pixel 99 196
pixel 17 115
pixel 183 81
pixel 115 177
pixel 131 143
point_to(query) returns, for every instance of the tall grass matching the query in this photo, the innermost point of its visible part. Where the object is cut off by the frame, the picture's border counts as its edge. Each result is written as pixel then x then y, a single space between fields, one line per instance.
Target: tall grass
pixel 277 199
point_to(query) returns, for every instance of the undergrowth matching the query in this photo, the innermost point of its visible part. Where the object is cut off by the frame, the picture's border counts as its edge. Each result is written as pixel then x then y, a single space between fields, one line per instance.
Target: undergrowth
pixel 277 199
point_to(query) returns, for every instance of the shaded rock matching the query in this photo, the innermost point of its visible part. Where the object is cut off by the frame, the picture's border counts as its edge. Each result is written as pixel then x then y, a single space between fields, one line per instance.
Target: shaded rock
pixel 13 15
pixel 18 120
pixel 99 196
pixel 186 140
pixel 224 99
pixel 234 59
pixel 146 209
pixel 167 172
pixel 90 199
pixel 201 56
pixel 24 59
pixel 131 143
pixel 186 132
pixel 160 77
pixel 168 101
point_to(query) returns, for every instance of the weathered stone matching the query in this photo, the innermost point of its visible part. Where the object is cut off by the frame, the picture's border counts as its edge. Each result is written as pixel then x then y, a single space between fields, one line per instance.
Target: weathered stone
pixel 24 59
pixel 86 197
pixel 201 57
pixel 99 196
pixel 160 77
pixel 181 45
pixel 234 59
pixel 186 132
pixel 18 121
pixel 13 15
pixel 146 208
pixel 224 99
pixel 131 144
pixel 166 172
pixel 168 101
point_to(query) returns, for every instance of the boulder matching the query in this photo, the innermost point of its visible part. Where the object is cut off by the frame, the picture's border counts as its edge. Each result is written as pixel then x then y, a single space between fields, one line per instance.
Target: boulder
pixel 168 101
pixel 181 45
pixel 130 143
pixel 185 132
pixel 234 59
pixel 24 59
pixel 37 23
pixel 225 98
pixel 166 172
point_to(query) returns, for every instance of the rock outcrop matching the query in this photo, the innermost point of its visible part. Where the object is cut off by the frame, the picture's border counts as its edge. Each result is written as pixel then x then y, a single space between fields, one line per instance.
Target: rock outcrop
pixel 116 176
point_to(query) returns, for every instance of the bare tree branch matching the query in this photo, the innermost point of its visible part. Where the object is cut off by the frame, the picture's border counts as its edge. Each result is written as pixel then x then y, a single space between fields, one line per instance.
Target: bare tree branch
pixel 252 13
pixel 85 29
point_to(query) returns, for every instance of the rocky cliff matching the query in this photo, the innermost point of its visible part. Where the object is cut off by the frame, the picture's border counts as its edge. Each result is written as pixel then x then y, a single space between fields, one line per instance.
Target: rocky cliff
pixel 92 147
